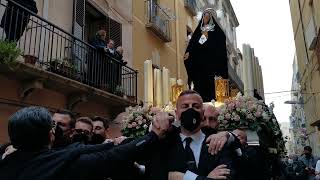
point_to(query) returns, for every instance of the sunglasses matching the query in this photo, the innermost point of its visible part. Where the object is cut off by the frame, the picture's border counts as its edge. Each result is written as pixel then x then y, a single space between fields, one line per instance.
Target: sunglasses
pixel 81 131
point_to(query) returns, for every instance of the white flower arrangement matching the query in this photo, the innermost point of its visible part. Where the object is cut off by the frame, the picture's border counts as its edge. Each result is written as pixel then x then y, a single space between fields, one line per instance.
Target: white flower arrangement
pixel 242 112
pixel 138 120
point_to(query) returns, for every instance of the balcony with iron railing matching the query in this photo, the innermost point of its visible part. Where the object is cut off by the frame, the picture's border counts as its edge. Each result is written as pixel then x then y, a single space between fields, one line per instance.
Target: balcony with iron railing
pixel 192 6
pixel 58 53
pixel 158 21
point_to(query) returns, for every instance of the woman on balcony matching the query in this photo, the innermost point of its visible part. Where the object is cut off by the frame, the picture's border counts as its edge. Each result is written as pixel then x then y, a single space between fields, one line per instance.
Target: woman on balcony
pixel 206 56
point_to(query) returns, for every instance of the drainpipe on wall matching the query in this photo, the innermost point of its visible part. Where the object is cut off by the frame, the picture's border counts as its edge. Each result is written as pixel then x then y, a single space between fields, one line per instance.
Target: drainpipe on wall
pixel 178 74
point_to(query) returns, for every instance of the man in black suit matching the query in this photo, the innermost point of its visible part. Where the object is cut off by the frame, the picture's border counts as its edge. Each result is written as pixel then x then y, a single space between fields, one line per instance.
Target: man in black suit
pixel 31 131
pixel 100 126
pixel 186 155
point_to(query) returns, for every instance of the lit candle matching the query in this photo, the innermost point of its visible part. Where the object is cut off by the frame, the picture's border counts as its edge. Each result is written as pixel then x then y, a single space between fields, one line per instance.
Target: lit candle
pixel 148 83
pixel 165 84
pixel 158 89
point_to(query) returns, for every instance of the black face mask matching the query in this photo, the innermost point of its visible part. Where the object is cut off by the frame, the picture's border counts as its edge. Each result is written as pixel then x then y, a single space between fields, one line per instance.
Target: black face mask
pixel 97 139
pixel 60 139
pixel 308 155
pixel 190 119
pixel 81 138
pixel 208 130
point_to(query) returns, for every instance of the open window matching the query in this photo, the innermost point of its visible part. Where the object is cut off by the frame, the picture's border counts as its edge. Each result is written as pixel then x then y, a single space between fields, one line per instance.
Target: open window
pixel 95 21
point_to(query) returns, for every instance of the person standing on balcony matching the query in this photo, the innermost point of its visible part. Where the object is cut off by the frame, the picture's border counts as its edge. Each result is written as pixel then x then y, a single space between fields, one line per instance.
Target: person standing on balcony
pixel 206 56
pixel 112 78
pixel 119 56
pixel 110 48
pixel 99 41
pixel 95 65
pixel 15 18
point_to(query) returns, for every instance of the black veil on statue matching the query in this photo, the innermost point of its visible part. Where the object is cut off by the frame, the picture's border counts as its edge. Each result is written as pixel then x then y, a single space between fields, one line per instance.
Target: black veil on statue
pixel 206 58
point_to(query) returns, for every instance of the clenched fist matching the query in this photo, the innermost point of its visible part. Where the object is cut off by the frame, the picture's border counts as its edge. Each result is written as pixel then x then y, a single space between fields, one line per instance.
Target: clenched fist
pixel 161 123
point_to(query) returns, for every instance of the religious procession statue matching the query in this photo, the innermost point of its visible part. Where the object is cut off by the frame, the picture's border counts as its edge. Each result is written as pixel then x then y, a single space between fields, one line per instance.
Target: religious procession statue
pixel 206 56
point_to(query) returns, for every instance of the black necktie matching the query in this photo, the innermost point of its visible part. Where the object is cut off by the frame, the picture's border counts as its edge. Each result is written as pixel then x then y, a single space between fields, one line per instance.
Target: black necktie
pixel 191 162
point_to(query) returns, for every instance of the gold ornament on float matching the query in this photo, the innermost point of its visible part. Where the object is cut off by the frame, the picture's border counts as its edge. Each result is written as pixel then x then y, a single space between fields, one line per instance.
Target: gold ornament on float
pixel 222 89
pixel 176 89
pixel 234 91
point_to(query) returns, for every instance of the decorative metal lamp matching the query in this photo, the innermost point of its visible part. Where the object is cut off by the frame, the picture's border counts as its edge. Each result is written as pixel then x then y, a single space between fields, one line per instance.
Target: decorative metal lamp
pixel 222 89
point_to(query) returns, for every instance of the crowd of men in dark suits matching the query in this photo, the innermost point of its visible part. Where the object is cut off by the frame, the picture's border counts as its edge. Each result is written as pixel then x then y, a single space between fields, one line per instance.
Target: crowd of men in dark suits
pixel 185 147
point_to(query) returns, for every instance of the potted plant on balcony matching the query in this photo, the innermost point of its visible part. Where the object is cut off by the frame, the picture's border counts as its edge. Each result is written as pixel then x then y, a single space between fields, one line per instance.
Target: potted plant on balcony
pixel 119 91
pixel 9 53
pixel 62 67
pixel 30 59
pixel 68 69
pixel 55 65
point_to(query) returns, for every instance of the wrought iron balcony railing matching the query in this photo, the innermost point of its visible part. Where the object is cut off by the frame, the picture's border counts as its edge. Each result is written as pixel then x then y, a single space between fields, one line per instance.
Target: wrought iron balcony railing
pixel 192 6
pixel 55 50
pixel 158 21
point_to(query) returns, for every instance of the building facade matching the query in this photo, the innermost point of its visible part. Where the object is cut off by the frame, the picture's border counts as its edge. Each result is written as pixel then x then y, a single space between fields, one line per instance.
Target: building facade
pixel 161 29
pixel 167 45
pixel 59 68
pixel 298 131
pixel 306 23
pixel 251 72
pixel 285 129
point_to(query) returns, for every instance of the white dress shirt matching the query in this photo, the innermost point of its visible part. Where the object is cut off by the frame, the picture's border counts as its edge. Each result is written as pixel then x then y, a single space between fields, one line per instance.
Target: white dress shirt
pixel 195 145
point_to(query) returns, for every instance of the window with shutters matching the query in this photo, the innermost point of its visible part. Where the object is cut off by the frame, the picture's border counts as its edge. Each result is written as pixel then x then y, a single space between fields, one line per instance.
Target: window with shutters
pixel 114 31
pixel 96 20
pixel 79 18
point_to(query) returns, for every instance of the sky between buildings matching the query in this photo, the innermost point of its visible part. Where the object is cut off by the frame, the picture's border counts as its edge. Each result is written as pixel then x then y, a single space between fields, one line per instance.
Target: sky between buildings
pixel 266 26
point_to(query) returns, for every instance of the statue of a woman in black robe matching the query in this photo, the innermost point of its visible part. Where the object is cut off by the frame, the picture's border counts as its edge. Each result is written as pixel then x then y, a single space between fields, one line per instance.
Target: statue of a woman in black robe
pixel 206 56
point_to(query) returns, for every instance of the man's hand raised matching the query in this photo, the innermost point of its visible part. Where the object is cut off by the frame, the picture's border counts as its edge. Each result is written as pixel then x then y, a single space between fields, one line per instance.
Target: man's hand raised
pixel 161 123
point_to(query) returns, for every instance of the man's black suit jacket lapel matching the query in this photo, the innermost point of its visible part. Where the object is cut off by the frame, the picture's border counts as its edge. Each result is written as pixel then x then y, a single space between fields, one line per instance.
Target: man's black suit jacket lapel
pixel 177 157
pixel 207 162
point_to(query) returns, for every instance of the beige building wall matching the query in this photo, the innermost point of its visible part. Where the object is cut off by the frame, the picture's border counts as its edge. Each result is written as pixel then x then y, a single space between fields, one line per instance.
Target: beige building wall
pixel 308 62
pixel 252 72
pixel 146 43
